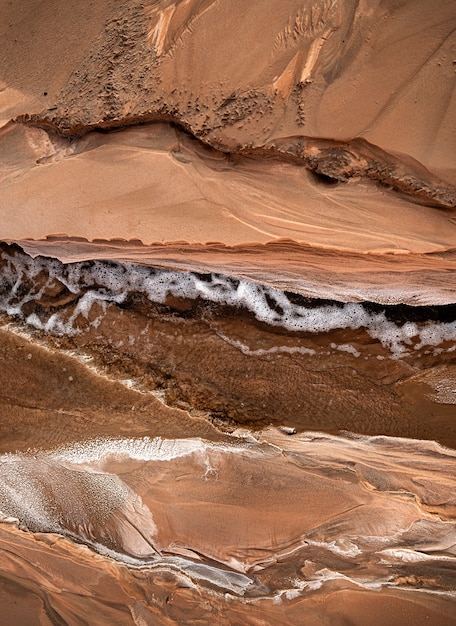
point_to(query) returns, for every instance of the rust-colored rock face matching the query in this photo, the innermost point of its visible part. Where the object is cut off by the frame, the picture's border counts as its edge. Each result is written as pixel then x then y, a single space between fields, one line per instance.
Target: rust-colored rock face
pixel 228 312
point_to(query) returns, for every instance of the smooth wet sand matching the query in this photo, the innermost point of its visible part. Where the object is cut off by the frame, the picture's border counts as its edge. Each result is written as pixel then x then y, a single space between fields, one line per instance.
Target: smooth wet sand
pixel 184 461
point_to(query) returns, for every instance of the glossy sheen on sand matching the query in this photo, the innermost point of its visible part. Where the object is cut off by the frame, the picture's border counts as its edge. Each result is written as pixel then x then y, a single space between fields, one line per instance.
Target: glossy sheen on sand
pixel 332 523
pixel 228 312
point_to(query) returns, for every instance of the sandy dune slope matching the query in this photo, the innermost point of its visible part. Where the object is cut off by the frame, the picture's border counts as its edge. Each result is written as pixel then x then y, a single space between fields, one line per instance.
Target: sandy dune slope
pixel 228 312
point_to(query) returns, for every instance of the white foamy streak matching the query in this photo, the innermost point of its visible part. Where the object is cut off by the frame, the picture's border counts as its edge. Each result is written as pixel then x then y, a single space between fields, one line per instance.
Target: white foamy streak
pixel 21 497
pixel 405 555
pixel 153 449
pixel 111 282
pixel 145 449
pixel 25 478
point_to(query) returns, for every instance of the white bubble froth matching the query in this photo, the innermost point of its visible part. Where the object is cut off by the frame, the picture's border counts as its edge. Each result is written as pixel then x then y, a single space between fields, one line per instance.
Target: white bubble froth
pixel 102 282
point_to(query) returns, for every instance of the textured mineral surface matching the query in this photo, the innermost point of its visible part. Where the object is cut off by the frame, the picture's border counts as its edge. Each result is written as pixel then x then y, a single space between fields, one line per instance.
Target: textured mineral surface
pixel 228 312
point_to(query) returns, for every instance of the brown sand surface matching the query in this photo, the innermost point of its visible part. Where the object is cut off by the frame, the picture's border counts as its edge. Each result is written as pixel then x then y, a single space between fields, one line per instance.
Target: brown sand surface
pixel 184 460
pixel 50 398
pixel 314 272
pixel 106 592
pixel 312 91
pixel 37 36
pixel 234 370
pixel 134 449
pixel 322 69
pixel 220 361
pixel 350 523
pixel 151 182
pixel 147 182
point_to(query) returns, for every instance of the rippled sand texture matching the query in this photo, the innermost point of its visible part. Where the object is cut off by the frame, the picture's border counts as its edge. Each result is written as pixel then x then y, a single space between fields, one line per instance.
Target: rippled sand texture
pixel 335 131
pixel 228 312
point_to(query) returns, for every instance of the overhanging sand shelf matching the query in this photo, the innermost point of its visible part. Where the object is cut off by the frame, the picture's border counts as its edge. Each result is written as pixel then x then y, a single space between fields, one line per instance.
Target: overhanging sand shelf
pixel 307 147
pixel 303 233
pixel 378 82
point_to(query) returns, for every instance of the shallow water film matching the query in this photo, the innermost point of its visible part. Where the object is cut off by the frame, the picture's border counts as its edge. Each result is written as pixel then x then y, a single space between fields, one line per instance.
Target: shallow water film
pixel 208 450
pixel 228 313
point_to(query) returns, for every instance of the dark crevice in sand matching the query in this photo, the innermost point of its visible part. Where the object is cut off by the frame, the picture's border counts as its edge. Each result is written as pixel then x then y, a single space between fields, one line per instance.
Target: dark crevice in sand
pixel 378 369
pixel 331 161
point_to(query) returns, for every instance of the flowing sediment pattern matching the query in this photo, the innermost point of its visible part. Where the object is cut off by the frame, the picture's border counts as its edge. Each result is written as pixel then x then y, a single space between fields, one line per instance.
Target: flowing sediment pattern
pixel 242 352
pixel 279 525
pixel 228 312
pixel 353 514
